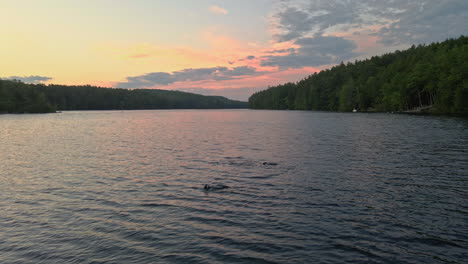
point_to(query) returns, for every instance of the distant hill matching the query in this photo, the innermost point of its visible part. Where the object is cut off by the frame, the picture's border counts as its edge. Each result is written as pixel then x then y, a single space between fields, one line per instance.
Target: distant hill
pixel 432 77
pixel 18 97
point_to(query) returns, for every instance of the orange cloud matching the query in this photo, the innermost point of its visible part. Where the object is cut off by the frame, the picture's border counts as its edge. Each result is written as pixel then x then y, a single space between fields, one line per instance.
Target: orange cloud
pixel 218 10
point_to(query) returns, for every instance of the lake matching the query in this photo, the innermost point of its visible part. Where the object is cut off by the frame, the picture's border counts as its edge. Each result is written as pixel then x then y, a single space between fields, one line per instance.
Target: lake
pixel 127 187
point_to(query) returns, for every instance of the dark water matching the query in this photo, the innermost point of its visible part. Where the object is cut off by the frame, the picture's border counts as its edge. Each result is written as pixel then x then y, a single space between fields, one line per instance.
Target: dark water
pixel 127 187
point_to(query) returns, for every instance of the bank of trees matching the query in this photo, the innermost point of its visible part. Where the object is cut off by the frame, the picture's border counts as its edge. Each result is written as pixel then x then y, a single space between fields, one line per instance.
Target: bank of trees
pixel 18 97
pixel 424 75
pixel 96 98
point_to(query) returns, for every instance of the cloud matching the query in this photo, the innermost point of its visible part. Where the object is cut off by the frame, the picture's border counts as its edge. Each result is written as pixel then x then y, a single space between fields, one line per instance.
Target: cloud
pixel 306 34
pixel 320 50
pixel 200 74
pixel 316 17
pixel 401 21
pixel 218 10
pixel 426 22
pixel 248 58
pixel 294 23
pixel 281 50
pixel 243 88
pixel 35 79
pixel 331 31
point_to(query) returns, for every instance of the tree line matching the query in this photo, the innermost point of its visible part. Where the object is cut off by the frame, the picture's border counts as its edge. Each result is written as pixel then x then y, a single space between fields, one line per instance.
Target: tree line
pixel 19 97
pixel 426 75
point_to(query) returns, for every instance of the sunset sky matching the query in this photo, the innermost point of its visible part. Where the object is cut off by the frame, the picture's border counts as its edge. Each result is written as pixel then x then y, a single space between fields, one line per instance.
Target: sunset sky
pixel 230 48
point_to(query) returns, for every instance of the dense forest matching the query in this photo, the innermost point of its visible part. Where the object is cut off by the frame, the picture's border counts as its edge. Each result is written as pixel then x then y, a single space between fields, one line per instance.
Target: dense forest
pixel 18 97
pixel 431 76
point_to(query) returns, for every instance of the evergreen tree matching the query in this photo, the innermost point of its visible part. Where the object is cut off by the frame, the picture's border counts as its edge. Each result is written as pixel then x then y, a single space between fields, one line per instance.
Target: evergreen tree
pixel 434 75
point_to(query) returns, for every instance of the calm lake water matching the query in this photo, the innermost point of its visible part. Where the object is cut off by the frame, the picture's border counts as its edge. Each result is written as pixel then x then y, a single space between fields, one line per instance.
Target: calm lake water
pixel 127 187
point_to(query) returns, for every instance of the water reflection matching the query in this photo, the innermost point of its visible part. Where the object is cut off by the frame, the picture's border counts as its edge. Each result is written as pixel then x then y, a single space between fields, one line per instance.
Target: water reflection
pixel 127 187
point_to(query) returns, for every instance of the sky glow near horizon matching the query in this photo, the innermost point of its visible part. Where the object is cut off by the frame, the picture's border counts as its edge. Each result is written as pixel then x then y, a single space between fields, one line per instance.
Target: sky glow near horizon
pixel 228 48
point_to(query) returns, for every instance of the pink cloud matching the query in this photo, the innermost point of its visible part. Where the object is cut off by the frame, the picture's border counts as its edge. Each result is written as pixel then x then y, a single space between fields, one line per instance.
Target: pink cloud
pixel 264 79
pixel 220 50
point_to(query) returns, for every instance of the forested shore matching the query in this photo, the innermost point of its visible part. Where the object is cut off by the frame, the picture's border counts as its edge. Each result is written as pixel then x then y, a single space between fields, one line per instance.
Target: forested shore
pixel 19 97
pixel 431 77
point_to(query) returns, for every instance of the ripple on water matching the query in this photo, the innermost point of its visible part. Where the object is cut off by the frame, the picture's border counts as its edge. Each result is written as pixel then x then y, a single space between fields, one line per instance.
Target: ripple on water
pixel 346 188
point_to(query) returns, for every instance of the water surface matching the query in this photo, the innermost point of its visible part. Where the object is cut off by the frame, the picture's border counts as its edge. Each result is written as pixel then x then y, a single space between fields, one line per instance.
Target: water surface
pixel 127 187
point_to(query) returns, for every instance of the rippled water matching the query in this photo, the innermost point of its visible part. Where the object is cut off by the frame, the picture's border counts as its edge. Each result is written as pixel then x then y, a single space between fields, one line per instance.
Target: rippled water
pixel 127 187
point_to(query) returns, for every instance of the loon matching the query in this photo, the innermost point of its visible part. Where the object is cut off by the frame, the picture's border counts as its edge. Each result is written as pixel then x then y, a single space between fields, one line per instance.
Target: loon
pixel 215 187
pixel 270 163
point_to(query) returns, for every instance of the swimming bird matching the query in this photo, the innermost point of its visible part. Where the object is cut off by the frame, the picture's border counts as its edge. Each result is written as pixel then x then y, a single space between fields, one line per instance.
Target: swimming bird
pixel 215 187
pixel 270 163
